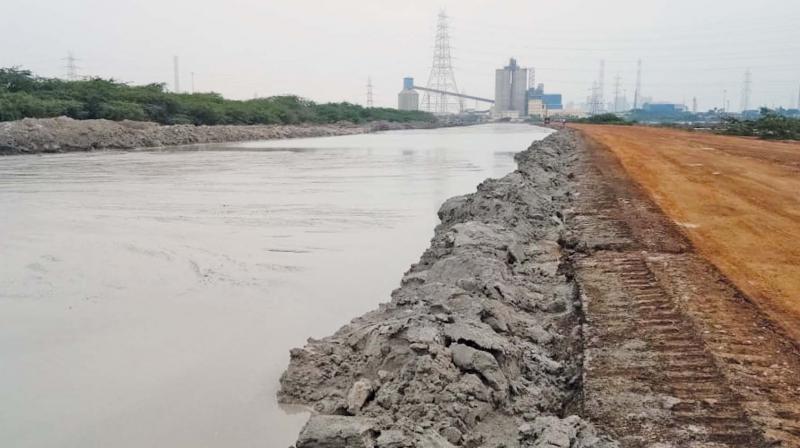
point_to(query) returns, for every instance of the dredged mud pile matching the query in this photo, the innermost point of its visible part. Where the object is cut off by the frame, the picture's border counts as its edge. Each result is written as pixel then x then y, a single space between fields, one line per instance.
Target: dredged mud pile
pixel 480 346
pixel 63 134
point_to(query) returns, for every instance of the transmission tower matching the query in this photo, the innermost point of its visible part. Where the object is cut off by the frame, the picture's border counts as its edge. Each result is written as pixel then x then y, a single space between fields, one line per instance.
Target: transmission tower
pixel 617 82
pixel 177 74
pixel 369 92
pixel 724 100
pixel 638 92
pixel 798 99
pixel 601 82
pixel 746 90
pixel 72 67
pixel 442 77
pixel 694 105
pixel 594 102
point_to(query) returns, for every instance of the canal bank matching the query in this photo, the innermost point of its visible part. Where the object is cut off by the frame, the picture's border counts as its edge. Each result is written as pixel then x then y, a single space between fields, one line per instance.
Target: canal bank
pixel 481 344
pixel 63 134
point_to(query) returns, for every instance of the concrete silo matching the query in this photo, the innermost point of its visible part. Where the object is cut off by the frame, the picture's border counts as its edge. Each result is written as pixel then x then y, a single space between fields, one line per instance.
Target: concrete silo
pixel 511 90
pixel 408 98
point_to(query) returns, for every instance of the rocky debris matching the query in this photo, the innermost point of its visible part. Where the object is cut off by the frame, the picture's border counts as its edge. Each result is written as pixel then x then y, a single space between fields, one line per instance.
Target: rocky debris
pixel 480 346
pixel 335 431
pixel 63 134
pixel 359 394
pixel 554 432
pixel 484 364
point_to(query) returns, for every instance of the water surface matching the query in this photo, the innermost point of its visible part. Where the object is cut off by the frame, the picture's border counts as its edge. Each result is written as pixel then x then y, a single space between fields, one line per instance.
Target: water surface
pixel 150 299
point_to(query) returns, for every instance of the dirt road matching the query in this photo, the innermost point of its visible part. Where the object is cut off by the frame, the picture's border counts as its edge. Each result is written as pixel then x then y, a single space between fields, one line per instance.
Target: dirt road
pixel 673 353
pixel 737 199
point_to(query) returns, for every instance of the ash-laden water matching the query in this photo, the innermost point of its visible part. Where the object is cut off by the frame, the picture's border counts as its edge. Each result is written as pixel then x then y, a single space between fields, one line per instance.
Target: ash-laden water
pixel 480 346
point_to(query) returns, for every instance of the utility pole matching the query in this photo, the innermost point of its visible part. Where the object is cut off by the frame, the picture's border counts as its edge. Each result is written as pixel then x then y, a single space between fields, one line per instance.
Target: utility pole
pixel 746 90
pixel 442 77
pixel 617 81
pixel 192 83
pixel 177 73
pixel 369 92
pixel 638 92
pixel 72 67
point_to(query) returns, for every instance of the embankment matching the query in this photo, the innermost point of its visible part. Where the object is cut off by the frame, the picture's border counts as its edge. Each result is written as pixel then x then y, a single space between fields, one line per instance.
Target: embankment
pixel 50 135
pixel 480 345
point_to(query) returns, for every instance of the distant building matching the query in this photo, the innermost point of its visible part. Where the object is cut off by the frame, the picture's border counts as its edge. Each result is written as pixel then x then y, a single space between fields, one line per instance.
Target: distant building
pixel 510 87
pixel 543 104
pixel 537 108
pixel 552 101
pixel 408 98
pixel 664 108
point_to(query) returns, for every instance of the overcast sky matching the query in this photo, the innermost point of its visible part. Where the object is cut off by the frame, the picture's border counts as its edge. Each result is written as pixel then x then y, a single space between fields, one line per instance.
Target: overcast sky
pixel 325 50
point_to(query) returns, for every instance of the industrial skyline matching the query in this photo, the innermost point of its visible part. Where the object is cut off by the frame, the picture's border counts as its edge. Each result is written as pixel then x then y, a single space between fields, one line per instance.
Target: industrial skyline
pixel 689 50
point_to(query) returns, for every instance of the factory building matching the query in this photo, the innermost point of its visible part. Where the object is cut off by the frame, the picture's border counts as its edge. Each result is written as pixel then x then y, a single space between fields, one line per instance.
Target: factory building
pixel 664 108
pixel 543 104
pixel 510 90
pixel 408 98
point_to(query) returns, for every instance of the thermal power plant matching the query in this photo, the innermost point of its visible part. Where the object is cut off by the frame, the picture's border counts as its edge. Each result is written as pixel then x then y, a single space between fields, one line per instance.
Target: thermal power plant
pixel 511 90
pixel 408 98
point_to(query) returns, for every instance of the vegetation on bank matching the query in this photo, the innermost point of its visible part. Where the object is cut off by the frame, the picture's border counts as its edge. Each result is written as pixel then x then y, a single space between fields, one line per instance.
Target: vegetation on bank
pixel 604 119
pixel 769 125
pixel 25 95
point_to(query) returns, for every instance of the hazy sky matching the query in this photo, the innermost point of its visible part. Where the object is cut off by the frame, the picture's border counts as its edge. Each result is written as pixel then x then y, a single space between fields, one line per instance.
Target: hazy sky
pixel 325 50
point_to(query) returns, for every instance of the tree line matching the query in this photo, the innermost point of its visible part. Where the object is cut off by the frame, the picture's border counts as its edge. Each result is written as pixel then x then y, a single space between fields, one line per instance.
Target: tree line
pixel 24 95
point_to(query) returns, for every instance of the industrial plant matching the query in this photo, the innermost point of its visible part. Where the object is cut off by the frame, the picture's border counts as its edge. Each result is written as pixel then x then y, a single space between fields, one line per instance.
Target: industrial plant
pixel 515 96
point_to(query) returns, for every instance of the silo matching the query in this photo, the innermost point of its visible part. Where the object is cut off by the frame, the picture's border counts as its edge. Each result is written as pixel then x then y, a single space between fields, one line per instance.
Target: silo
pixel 519 90
pixel 502 90
pixel 408 98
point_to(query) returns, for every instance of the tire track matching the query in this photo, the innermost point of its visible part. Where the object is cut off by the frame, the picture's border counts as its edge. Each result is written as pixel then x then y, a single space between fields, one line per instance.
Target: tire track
pixel 673 353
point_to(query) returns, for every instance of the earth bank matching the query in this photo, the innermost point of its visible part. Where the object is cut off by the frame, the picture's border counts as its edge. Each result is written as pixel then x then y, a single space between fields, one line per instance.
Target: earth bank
pixel 480 346
pixel 63 134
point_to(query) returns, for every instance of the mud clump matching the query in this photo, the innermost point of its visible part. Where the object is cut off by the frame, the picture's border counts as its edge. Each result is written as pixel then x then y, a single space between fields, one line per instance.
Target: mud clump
pixel 63 134
pixel 480 346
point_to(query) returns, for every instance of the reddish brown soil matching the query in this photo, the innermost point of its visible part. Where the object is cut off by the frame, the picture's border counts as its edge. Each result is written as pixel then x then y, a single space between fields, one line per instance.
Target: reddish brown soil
pixel 675 354
pixel 737 199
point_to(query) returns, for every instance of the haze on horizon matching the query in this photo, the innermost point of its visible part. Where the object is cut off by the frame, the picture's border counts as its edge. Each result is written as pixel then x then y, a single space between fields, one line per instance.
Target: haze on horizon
pixel 326 50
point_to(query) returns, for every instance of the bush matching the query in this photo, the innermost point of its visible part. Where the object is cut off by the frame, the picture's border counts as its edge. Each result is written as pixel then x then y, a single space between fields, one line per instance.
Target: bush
pixel 604 119
pixel 23 94
pixel 770 125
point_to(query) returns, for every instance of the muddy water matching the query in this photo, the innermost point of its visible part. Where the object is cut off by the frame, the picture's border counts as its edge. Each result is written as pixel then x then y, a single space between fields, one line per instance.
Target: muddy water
pixel 151 298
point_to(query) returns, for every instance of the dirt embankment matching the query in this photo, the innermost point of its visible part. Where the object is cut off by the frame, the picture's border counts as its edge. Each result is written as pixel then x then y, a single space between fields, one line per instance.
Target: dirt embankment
pixel 736 199
pixel 49 135
pixel 481 344
pixel 674 354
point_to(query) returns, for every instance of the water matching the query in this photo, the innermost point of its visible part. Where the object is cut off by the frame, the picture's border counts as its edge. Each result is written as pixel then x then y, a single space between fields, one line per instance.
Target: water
pixel 151 298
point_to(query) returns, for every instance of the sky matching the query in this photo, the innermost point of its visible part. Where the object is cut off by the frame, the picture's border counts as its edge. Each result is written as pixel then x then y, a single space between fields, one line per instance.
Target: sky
pixel 326 50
